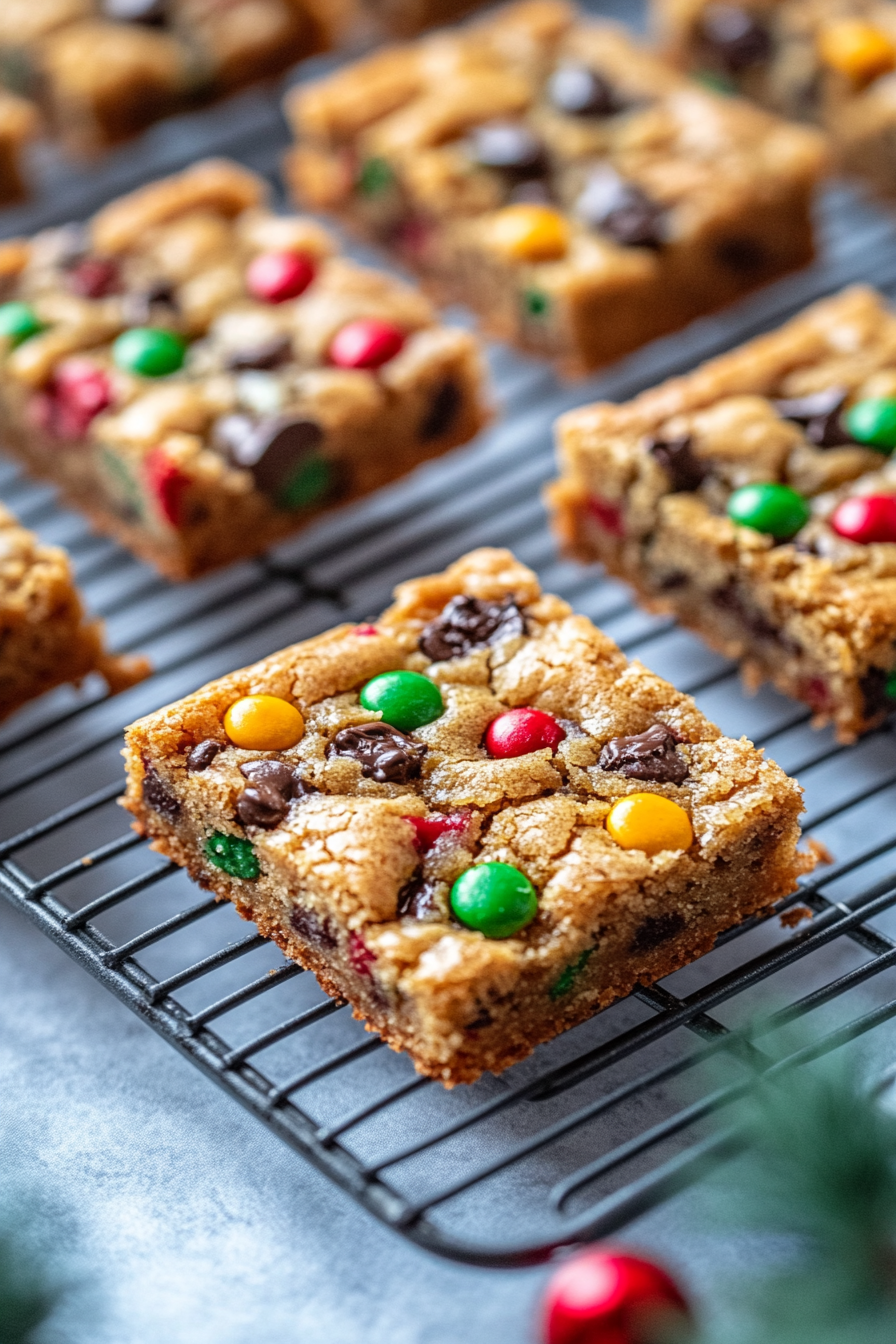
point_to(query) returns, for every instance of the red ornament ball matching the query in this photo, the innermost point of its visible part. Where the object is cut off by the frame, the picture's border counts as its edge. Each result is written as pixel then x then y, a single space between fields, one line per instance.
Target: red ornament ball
pixel 520 731
pixel 367 343
pixel 601 1297
pixel 274 277
pixel 866 518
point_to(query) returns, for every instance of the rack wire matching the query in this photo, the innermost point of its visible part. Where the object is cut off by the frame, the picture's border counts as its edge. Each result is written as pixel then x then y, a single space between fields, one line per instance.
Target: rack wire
pixel 611 1118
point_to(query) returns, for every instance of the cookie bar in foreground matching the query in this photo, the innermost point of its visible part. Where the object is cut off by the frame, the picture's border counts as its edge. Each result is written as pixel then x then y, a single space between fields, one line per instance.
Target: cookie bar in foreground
pixel 475 820
pixel 45 638
pixel 201 376
pixel 753 498
pixel 575 192
pixel 830 62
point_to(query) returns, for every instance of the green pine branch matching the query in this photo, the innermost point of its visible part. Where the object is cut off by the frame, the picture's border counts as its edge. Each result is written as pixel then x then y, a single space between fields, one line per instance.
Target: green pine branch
pixel 28 1294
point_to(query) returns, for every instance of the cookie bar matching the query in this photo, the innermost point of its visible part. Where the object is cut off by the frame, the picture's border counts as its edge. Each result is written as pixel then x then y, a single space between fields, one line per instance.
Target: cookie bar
pixel 106 69
pixel 201 376
pixel 753 499
pixel 830 62
pixel 579 195
pixel 18 128
pixel 474 820
pixel 45 638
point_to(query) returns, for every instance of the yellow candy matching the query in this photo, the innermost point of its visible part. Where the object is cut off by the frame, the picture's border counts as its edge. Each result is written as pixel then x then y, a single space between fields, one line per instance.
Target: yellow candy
pixel 263 723
pixel 857 49
pixel 530 233
pixel 650 822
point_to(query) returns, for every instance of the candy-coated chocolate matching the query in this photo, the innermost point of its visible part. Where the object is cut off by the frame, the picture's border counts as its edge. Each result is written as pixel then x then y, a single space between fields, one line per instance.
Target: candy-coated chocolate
pixel 650 822
pixel 235 855
pixel 18 322
pixel 274 277
pixel 263 723
pixel 607 515
pixel 856 48
pixel 167 483
pixel 530 233
pixel 866 518
pixel 428 829
pixel 94 277
pixel 520 731
pixel 367 343
pixel 365 630
pixel 375 177
pixel 771 508
pixel 608 1297
pixel 873 422
pixel 151 352
pixel 494 898
pixel 569 975
pixel 78 392
pixel 359 954
pixel 406 700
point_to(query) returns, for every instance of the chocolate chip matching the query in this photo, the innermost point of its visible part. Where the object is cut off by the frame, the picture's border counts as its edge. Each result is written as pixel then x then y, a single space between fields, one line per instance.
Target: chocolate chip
pixel 276 774
pixel 648 755
pixel 202 755
pixel 678 460
pixel 275 449
pixel 571 728
pixel 622 210
pixel 272 786
pixel 736 38
pixel 135 11
pixel 385 754
pixel 442 413
pixel 508 147
pixel 482 1019
pixel 312 928
pixel 139 304
pixel 157 794
pixel 469 623
pixel 93 277
pixel 269 354
pixel 676 578
pixel 740 254
pixel 657 929
pixel 873 686
pixel 582 92
pixel 417 900
pixel 819 414
pixel 535 192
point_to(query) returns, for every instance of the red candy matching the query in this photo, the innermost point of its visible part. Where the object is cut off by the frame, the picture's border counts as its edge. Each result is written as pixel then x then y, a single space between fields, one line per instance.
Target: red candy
pixel 608 515
pixel 94 277
pixel 365 344
pixel 428 829
pixel 168 483
pixel 79 391
pixel 365 630
pixel 600 1297
pixel 359 954
pixel 274 277
pixel 520 731
pixel 866 518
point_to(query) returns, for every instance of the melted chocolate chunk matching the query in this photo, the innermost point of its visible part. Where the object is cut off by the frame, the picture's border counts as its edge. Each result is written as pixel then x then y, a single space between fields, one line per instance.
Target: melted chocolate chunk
pixel 734 37
pixel 139 305
pixel 510 148
pixel 275 449
pixel 482 1019
pixel 272 786
pixel 202 755
pixel 648 755
pixel 582 92
pixel 677 458
pixel 469 623
pixel 312 928
pixel 819 414
pixel 740 254
pixel 385 754
pixel 157 794
pixel 269 354
pixel 442 413
pixel 417 900
pixel 657 929
pixel 94 277
pixel 621 210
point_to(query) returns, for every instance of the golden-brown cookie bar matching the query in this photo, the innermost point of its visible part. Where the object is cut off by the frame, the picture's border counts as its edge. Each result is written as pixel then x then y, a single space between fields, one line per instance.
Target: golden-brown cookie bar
pixel 578 194
pixel 45 638
pixel 202 377
pixel 18 128
pixel 559 826
pixel 830 62
pixel 669 492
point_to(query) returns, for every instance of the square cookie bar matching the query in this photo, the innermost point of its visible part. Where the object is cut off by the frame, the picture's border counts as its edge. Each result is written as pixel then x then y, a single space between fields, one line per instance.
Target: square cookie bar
pixel 45 638
pixel 579 195
pixel 753 498
pixel 201 376
pixel 475 820
pixel 831 62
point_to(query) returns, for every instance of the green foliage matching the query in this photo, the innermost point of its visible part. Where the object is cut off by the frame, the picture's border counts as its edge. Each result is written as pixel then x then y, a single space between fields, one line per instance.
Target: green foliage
pixel 28 1295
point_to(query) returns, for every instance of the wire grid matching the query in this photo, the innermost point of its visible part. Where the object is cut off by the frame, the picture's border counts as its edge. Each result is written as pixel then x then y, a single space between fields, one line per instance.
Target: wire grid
pixel 597 1126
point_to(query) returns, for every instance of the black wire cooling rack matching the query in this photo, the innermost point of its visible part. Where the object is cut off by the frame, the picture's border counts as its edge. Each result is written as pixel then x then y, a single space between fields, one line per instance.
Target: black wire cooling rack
pixel 611 1118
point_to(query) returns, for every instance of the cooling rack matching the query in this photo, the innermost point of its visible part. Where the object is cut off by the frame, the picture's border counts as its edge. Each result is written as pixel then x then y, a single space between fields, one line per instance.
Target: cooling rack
pixel 610 1119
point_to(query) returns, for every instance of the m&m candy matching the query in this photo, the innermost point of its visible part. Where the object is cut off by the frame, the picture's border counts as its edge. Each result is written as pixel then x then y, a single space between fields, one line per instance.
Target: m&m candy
pixel 366 343
pixel 274 277
pixel 775 509
pixel 856 48
pixel 18 322
pixel 873 422
pixel 151 352
pixel 520 731
pixel 406 700
pixel 495 899
pixel 264 723
pixel 530 233
pixel 650 822
pixel 866 518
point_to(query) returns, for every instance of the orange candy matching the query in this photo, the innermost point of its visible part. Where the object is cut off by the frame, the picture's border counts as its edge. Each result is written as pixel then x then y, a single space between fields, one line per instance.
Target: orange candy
pixel 263 723
pixel 530 233
pixel 650 822
pixel 857 49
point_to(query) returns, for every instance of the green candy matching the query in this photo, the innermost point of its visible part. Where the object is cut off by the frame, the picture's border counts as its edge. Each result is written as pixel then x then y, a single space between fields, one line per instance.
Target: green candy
pixel 18 321
pixel 308 485
pixel 570 975
pixel 406 700
pixel 237 857
pixel 890 686
pixel 774 509
pixel 718 83
pixel 150 351
pixel 536 303
pixel 873 422
pixel 375 177
pixel 494 898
